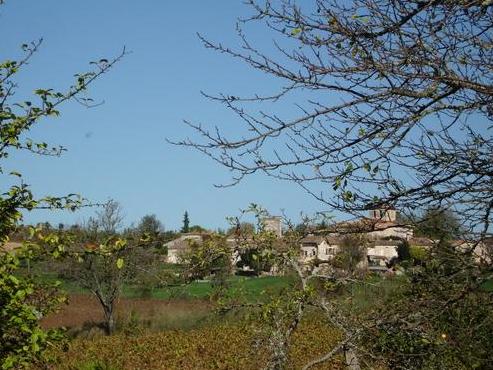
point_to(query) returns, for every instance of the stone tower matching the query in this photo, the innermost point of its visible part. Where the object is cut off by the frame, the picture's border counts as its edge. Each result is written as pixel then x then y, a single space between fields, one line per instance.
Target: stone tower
pixel 273 224
pixel 387 214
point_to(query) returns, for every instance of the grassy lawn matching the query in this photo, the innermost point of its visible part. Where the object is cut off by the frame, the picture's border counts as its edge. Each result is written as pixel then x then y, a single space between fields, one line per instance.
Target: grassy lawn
pixel 251 288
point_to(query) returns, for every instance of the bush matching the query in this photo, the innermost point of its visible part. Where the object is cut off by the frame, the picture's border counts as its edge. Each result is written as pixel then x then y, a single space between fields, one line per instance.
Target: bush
pixel 418 254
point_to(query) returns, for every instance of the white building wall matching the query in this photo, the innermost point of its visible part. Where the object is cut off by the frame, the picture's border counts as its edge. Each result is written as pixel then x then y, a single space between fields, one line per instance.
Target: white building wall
pixel 308 253
pixel 386 251
pixel 326 251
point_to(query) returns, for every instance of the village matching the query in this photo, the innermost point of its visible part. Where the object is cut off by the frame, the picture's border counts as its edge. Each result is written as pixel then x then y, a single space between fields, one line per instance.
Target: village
pixel 380 235
pixel 246 185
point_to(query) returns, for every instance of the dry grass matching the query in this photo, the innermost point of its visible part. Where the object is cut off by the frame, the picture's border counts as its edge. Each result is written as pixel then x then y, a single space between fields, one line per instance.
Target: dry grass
pixel 84 313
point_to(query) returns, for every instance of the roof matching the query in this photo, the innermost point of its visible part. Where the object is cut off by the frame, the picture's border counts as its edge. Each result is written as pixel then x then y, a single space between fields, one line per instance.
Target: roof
pixel 317 239
pixel 183 241
pixel 420 241
pixel 365 225
pixel 488 241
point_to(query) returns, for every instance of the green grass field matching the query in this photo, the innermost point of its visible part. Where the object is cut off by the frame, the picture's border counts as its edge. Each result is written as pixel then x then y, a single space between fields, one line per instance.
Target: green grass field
pixel 250 288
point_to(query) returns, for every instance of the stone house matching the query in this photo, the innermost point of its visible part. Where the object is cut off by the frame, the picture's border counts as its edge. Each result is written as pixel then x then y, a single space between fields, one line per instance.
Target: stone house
pixel 382 232
pixel 319 247
pixel 179 245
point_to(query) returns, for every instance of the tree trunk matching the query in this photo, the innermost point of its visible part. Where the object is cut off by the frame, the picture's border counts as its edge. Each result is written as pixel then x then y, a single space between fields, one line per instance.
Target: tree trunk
pixel 109 319
pixel 352 362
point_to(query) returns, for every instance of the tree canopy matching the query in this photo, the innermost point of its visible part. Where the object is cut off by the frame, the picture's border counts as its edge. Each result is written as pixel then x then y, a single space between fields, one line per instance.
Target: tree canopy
pixel 186 223
pixel 150 224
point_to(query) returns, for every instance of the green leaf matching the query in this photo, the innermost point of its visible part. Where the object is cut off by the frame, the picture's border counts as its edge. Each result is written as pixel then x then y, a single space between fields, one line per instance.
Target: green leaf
pixel 295 31
pixel 119 263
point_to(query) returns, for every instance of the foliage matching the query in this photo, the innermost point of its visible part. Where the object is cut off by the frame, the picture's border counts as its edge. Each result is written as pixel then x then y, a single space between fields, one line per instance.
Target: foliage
pixel 403 251
pixel 196 229
pixel 149 224
pixel 212 257
pixel 22 300
pixel 186 223
pixel 102 261
pixel 438 224
pixel 150 227
pixel 256 259
pixel 352 252
pixel 255 247
pixel 442 319
pixel 418 254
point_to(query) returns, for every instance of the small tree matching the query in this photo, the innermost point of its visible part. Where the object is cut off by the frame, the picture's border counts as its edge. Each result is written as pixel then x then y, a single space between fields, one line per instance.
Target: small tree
pixel 352 252
pixel 109 218
pixel 196 229
pixel 103 269
pixel 244 229
pixel 403 251
pixel 213 257
pixel 102 261
pixel 438 224
pixel 255 259
pixel 441 321
pixel 149 224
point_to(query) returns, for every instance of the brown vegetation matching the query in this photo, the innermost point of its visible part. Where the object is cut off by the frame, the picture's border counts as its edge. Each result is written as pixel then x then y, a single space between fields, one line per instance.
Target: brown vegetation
pixel 216 346
pixel 85 311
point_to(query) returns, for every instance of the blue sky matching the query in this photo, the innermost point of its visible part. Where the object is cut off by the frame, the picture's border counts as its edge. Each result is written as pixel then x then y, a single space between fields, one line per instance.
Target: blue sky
pixel 118 149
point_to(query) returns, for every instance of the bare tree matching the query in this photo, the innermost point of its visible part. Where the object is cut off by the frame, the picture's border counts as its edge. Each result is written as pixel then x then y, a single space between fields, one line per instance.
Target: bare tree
pixel 110 217
pixel 394 109
pixel 394 101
